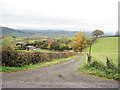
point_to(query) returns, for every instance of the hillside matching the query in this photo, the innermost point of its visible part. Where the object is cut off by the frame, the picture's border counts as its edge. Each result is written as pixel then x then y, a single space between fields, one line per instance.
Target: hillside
pixel 100 65
pixel 51 33
pixel 105 47
pixel 9 32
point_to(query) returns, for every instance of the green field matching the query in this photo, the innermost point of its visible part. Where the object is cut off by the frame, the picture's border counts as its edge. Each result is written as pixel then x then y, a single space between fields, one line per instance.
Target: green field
pixel 42 50
pixel 102 48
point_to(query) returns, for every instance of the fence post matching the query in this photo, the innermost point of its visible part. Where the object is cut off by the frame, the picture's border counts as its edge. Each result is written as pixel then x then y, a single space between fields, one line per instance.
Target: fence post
pixel 89 57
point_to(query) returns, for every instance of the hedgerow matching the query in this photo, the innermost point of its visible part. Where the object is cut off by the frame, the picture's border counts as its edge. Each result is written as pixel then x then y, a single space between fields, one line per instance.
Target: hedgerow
pixel 21 58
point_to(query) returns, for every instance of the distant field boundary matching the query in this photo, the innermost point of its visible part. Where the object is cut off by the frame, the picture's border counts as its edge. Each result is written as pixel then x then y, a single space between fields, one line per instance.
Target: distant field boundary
pixel 110 36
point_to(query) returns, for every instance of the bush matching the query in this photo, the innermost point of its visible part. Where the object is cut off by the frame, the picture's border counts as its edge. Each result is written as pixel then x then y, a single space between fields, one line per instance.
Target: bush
pixel 21 58
pixel 19 47
pixel 7 45
pixel 38 43
pixel 55 46
pixel 44 46
pixel 63 47
pixel 110 70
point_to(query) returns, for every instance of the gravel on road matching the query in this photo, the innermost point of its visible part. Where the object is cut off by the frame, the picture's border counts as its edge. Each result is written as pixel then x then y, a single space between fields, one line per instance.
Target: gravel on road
pixel 62 75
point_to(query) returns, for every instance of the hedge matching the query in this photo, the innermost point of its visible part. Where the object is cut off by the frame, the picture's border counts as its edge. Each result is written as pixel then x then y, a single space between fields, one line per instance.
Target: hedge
pixel 21 58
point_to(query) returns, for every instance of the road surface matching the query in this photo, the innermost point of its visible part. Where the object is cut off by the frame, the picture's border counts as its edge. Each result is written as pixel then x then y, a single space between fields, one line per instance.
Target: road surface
pixel 62 75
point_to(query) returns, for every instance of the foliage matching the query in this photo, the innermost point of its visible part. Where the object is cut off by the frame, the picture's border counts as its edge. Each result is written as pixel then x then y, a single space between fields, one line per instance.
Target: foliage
pixel 19 47
pixel 79 42
pixel 97 33
pixel 38 43
pixel 44 46
pixel 107 46
pixel 49 44
pixel 25 67
pixel 26 40
pixel 21 58
pixel 14 38
pixel 88 40
pixel 7 44
pixel 54 46
pixel 63 47
pixel 65 39
pixel 98 68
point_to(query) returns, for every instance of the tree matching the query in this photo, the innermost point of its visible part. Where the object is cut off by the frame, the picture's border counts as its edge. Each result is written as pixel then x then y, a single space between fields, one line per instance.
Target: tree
pixel 64 39
pixel 49 44
pixel 38 43
pixel 54 46
pixel 79 42
pixel 97 32
pixel 13 38
pixel 63 47
pixel 7 45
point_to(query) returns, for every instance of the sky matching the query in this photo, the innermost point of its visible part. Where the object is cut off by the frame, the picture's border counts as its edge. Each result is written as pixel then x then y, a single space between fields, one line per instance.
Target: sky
pixel 86 15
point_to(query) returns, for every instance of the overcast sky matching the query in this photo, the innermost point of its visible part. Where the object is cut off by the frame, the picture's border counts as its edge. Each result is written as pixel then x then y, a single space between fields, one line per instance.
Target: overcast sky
pixel 86 15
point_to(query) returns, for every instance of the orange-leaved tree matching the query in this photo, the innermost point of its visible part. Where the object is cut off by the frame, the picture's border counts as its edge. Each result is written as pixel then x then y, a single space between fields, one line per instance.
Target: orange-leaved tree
pixel 79 42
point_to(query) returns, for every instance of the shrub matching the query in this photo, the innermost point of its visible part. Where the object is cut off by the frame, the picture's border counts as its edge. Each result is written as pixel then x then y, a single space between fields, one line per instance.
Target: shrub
pixel 21 58
pixel 38 43
pixel 109 69
pixel 19 47
pixel 54 46
pixel 7 45
pixel 63 47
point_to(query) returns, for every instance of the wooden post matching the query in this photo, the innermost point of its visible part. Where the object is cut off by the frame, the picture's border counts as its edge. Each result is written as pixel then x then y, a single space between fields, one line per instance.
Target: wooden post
pixel 90 50
pixel 89 57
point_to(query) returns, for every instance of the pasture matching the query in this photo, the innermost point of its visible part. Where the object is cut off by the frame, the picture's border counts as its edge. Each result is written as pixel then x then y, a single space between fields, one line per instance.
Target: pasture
pixel 105 47
pixel 102 48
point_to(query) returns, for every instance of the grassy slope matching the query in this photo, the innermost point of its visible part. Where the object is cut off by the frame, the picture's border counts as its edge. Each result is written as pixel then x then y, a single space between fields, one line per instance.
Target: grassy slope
pixel 103 47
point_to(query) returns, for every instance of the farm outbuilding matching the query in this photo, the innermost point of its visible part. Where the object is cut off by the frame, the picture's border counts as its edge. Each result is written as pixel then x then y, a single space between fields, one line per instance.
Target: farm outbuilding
pixel 20 43
pixel 31 48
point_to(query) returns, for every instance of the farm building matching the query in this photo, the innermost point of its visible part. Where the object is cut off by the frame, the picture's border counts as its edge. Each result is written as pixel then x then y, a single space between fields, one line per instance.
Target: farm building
pixel 20 43
pixel 31 48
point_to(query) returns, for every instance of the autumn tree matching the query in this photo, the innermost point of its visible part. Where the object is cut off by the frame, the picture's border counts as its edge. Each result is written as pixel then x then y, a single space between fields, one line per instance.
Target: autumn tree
pixel 97 33
pixel 79 42
pixel 49 44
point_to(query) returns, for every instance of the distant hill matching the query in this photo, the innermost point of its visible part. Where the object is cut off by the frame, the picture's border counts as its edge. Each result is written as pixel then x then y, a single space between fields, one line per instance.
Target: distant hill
pixel 9 32
pixel 51 33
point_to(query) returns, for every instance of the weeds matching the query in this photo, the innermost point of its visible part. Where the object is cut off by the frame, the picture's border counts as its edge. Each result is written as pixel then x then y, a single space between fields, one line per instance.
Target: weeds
pixel 110 70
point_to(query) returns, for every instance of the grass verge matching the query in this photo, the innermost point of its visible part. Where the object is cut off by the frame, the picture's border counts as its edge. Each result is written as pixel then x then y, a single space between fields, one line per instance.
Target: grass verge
pixel 27 67
pixel 98 68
